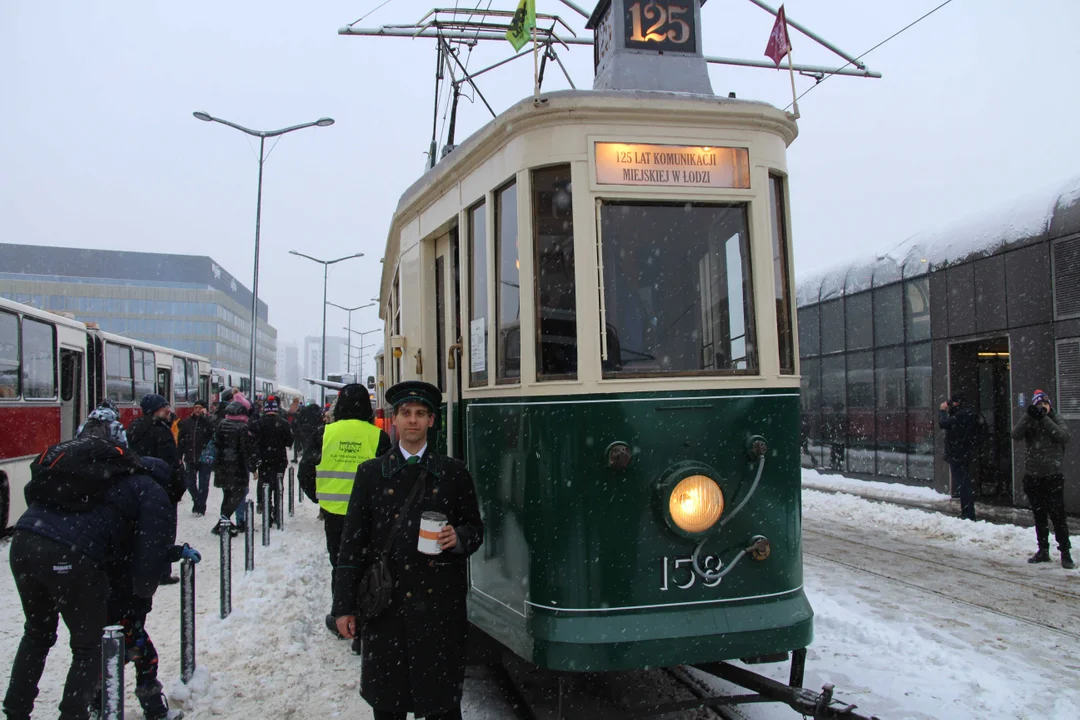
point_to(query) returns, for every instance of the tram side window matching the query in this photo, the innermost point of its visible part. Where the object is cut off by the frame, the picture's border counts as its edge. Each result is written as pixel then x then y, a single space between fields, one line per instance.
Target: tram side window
pixel 677 289
pixel 118 380
pixel 179 386
pixel 781 276
pixel 145 372
pixel 9 356
pixel 39 359
pixel 193 389
pixel 478 287
pixel 508 341
pixel 556 300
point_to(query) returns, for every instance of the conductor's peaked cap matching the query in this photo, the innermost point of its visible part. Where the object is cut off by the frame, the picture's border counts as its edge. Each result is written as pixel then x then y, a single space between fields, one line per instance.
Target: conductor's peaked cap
pixel 415 391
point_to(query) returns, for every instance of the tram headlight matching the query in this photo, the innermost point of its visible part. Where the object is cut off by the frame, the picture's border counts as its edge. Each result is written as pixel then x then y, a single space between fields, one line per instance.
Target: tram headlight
pixel 696 503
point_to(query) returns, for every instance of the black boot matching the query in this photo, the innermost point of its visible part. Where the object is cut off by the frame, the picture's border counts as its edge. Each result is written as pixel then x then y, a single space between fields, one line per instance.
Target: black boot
pixel 1040 557
pixel 154 704
pixel 1066 560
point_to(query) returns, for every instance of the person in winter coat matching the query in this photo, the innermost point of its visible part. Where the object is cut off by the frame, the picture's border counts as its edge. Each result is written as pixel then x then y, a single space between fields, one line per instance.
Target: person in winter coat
pixel 234 462
pixel 151 435
pixel 1045 435
pixel 275 437
pixel 107 415
pixel 58 559
pixel 308 421
pixel 196 430
pixel 965 431
pixel 328 467
pixel 413 652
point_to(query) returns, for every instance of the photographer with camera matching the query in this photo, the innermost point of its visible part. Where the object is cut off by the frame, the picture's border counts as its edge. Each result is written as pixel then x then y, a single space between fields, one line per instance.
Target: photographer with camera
pixel 1045 435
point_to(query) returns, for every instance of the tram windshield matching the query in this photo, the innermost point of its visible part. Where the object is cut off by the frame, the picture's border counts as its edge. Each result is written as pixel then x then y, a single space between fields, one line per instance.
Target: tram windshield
pixel 677 289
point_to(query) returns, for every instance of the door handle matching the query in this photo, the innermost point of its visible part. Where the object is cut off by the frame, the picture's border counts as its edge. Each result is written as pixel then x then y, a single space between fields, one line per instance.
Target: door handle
pixel 451 353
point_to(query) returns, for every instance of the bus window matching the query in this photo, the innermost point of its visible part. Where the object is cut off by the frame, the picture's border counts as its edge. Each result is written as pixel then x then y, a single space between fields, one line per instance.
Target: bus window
pixel 143 361
pixel 178 381
pixel 193 389
pixel 204 388
pixel 38 359
pixel 9 356
pixel 118 380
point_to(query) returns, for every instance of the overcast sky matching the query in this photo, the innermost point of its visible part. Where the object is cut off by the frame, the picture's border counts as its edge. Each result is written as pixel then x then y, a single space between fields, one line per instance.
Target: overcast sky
pixel 98 148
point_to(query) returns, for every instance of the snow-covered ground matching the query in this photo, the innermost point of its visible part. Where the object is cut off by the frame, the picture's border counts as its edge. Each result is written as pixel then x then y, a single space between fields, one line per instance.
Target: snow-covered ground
pixel 885 490
pixel 919 615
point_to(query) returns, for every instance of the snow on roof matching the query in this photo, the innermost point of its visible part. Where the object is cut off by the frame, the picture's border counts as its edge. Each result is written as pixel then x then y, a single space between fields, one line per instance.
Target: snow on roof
pixel 1023 221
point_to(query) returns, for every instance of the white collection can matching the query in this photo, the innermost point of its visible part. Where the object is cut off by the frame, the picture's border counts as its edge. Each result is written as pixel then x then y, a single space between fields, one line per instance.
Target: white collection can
pixel 431 523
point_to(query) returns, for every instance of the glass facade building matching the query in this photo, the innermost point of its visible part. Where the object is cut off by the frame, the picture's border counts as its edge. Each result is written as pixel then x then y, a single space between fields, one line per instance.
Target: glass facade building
pixel 180 301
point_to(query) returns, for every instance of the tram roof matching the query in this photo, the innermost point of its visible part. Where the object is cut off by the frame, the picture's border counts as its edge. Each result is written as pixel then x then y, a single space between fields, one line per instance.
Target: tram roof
pixel 46 315
pixel 1025 221
pixel 575 107
pixel 143 345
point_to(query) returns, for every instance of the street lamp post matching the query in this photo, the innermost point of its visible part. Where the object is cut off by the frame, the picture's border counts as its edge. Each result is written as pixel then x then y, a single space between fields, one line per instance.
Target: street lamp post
pixel 362 334
pixel 348 338
pixel 262 135
pixel 326 267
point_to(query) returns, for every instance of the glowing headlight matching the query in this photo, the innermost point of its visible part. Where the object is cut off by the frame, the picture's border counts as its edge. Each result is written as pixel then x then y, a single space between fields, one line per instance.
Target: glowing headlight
pixel 696 503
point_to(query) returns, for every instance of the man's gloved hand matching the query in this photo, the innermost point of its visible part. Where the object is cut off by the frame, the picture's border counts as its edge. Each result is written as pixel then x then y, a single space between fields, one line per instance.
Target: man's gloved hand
pixel 184 552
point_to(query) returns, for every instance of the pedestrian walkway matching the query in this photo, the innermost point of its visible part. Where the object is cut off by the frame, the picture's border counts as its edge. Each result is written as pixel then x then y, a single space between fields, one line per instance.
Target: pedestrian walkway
pixel 919 497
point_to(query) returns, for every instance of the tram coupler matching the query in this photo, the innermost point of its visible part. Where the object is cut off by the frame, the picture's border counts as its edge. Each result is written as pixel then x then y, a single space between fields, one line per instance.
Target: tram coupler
pixel 820 706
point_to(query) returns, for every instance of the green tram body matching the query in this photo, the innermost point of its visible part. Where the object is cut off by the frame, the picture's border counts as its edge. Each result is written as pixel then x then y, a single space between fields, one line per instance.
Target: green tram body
pixel 580 569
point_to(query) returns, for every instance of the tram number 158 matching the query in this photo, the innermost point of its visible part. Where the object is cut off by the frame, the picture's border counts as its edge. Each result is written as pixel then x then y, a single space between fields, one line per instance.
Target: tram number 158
pixel 664 23
pixel 676 569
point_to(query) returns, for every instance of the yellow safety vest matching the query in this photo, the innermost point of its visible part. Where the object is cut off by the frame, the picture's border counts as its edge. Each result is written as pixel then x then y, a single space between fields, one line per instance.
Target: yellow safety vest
pixel 346 444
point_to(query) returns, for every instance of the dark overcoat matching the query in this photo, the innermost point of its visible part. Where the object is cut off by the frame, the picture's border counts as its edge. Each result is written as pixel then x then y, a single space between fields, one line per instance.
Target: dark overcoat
pixel 414 652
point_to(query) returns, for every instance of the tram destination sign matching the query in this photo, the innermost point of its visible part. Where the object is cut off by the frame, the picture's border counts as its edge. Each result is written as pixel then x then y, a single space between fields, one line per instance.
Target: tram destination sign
pixel 672 165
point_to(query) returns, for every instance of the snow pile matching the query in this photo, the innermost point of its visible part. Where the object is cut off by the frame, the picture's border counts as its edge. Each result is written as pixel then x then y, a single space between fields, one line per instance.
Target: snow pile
pixel 814 480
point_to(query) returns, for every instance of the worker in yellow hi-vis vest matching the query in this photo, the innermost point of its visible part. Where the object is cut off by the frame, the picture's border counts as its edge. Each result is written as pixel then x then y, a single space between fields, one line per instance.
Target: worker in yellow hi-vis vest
pixel 328 467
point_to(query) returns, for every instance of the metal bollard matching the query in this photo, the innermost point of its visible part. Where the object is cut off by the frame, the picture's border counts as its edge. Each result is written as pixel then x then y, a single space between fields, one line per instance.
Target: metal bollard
pixel 226 567
pixel 249 538
pixel 266 514
pixel 279 505
pixel 187 620
pixel 112 673
pixel 292 491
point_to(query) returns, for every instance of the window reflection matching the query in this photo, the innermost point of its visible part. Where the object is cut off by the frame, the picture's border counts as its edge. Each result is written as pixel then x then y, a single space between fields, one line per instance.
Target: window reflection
pixel 677 288
pixel 553 220
pixel 508 342
pixel 478 287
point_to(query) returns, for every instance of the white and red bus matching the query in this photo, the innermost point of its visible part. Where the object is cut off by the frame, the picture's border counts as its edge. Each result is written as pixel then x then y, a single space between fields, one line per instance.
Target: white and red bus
pixel 54 370
pixel 222 379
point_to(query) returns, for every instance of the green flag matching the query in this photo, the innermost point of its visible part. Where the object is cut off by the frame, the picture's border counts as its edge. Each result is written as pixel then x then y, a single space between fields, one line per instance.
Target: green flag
pixel 522 25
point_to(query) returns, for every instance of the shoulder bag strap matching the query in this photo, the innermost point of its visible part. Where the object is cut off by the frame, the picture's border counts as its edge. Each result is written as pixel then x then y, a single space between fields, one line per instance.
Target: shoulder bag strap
pixel 418 490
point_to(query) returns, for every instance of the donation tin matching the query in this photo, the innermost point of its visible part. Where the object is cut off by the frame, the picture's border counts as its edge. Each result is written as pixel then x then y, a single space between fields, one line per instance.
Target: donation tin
pixel 431 523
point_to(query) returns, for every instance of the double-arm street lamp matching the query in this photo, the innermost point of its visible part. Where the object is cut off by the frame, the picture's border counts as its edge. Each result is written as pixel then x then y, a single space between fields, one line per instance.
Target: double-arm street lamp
pixel 362 334
pixel 262 135
pixel 326 267
pixel 348 338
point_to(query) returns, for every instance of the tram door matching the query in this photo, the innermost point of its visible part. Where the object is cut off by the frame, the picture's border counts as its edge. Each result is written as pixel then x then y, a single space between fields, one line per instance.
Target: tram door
pixel 71 363
pixel 448 340
pixel 164 384
pixel 980 370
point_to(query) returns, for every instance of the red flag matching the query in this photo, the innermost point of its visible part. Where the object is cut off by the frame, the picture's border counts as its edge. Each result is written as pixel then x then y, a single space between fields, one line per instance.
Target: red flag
pixel 779 42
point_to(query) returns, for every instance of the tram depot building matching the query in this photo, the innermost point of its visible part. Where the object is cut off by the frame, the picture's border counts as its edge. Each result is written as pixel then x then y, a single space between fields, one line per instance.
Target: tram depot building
pixel 991 309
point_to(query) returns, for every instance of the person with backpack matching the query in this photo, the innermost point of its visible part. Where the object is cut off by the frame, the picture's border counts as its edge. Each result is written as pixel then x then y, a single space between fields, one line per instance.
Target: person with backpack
pixel 965 431
pixel 106 415
pixel 275 437
pixel 196 430
pixel 1045 436
pixel 234 462
pixel 87 499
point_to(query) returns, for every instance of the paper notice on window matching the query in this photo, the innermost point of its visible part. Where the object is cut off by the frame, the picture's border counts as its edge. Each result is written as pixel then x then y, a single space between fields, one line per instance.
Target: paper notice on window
pixel 478 345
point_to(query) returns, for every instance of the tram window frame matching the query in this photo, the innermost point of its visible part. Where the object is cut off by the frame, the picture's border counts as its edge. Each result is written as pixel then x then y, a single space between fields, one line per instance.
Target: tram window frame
pixel 179 380
pixel 8 361
pixel 478 286
pixel 711 317
pixel 782 273
pixel 193 389
pixel 38 367
pixel 552 350
pixel 509 288
pixel 144 375
pixel 115 364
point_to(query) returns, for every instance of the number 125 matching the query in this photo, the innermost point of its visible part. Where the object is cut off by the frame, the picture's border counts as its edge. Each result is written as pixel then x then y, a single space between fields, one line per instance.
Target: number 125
pixel 664 17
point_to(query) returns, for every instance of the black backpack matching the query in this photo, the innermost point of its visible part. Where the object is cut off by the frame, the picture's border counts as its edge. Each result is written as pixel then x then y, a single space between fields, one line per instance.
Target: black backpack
pixel 75 475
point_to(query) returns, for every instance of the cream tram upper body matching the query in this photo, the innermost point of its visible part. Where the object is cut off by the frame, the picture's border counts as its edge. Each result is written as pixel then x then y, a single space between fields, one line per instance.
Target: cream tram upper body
pixel 604 140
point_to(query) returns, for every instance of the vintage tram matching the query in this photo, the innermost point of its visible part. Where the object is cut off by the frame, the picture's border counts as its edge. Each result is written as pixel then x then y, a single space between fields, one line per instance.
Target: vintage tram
pixel 600 285
pixel 54 370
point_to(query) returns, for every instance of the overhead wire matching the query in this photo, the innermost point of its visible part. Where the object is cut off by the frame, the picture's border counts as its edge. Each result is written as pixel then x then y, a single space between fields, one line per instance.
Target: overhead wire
pixel 860 57
pixel 380 5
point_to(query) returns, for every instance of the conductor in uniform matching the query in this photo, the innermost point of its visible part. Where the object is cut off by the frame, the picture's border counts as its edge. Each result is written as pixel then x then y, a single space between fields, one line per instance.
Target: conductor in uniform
pixel 413 653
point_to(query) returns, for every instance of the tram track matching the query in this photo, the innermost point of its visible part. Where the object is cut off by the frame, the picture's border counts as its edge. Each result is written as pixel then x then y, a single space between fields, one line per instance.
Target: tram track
pixel 951 587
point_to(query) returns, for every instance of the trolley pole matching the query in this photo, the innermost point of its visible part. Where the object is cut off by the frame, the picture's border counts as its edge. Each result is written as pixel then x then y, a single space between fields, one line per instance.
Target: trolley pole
pixel 292 491
pixel 265 496
pixel 112 673
pixel 226 567
pixel 187 620
pixel 249 538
